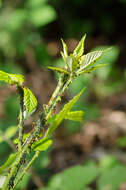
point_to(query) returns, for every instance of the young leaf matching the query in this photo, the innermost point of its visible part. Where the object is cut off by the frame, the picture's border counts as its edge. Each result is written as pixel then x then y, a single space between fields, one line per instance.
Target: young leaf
pixel 60 70
pixel 30 102
pixel 2 180
pixel 65 49
pixel 90 59
pixel 11 78
pixel 62 114
pixel 8 163
pixel 42 145
pixel 75 115
pixel 88 70
pixel 80 48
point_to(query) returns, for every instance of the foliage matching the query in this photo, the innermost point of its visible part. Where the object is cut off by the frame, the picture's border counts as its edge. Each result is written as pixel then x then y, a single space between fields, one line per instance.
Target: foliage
pixel 75 64
pixel 109 172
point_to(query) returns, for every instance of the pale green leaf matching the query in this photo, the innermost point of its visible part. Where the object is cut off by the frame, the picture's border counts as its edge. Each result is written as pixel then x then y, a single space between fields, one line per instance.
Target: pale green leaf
pixel 90 59
pixel 62 114
pixel 30 102
pixel 90 69
pixel 42 145
pixel 2 180
pixel 75 115
pixel 60 70
pixel 65 49
pixel 8 163
pixel 80 48
pixel 11 78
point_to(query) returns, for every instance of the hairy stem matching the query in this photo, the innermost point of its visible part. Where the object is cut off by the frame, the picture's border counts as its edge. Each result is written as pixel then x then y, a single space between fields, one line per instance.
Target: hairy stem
pixel 63 84
pixel 21 119
pixel 26 168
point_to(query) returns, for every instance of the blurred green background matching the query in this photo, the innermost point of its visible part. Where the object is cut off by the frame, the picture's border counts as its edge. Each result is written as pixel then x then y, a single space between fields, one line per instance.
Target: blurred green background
pixel 30 33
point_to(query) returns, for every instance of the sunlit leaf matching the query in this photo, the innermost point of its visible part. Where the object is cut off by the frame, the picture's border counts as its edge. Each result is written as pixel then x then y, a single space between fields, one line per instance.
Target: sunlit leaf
pixel 42 145
pixel 75 115
pixel 2 180
pixel 90 59
pixel 62 114
pixel 30 102
pixel 65 49
pixel 90 69
pixel 80 48
pixel 11 78
pixel 60 70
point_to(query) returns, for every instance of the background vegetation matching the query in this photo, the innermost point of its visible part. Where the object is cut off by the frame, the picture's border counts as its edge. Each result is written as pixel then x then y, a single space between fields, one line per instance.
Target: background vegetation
pixel 30 33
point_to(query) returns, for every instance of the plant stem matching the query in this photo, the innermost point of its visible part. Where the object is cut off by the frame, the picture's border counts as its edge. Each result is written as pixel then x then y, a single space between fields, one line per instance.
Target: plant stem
pixel 21 119
pixel 26 168
pixel 63 84
pixel 9 183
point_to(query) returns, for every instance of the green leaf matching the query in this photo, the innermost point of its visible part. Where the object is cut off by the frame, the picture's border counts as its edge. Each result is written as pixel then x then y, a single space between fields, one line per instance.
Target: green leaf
pixel 30 102
pixel 74 178
pixel 90 59
pixel 42 15
pixel 8 163
pixel 72 63
pixel 11 131
pixel 65 49
pixel 62 114
pixel 11 78
pixel 88 70
pixel 80 48
pixel 121 142
pixel 33 4
pixel 42 145
pixel 113 178
pixel 60 70
pixel 75 115
pixel 2 180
